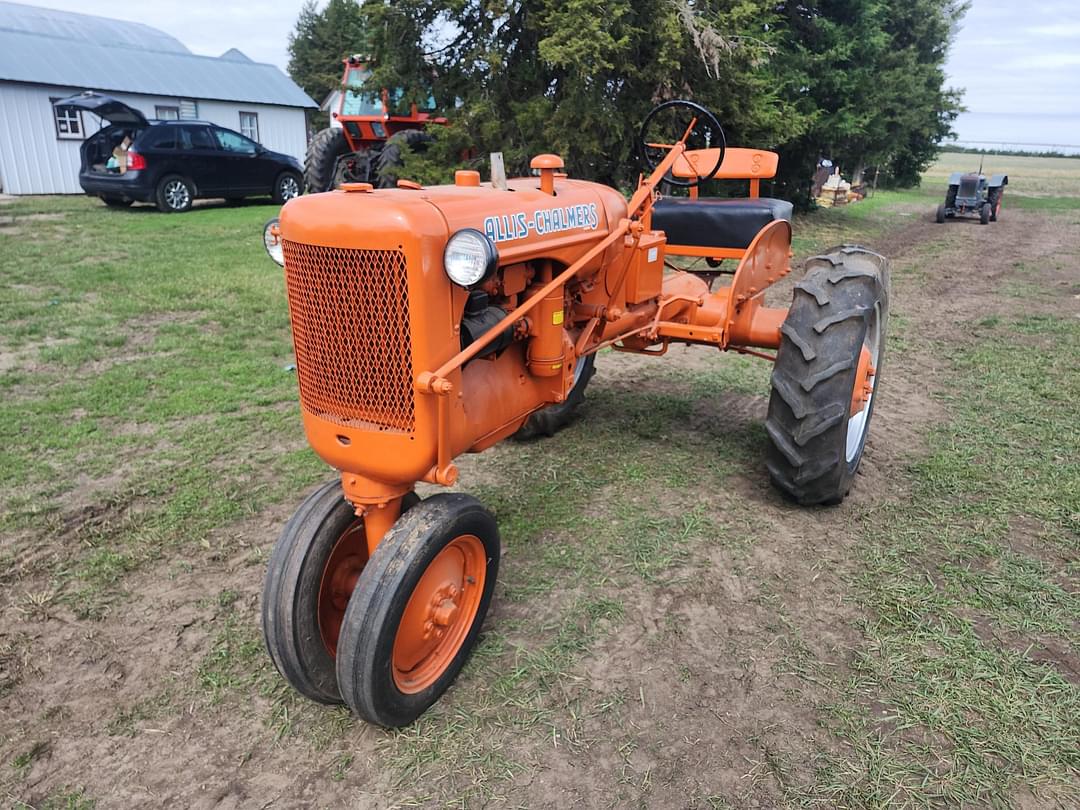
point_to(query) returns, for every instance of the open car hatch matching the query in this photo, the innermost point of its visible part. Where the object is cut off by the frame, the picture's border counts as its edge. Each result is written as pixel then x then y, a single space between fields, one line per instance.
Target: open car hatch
pixel 107 107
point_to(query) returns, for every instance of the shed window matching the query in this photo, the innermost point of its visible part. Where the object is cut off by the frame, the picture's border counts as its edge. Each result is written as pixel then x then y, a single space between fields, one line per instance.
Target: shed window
pixel 69 123
pixel 249 125
pixel 167 113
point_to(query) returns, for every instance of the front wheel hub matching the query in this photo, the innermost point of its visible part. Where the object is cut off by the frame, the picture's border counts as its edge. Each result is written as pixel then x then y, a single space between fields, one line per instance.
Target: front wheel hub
pixel 439 614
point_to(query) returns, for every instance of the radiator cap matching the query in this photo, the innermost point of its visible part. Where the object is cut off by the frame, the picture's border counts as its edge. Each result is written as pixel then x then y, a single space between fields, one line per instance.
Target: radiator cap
pixel 466 177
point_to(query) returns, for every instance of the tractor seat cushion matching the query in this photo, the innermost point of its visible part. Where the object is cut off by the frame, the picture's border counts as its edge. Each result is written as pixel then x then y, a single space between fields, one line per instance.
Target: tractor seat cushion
pixel 719 223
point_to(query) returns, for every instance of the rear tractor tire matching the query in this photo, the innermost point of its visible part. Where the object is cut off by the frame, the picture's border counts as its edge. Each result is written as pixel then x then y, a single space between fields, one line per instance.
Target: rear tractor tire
pixel 417 609
pixel 827 374
pixel 390 160
pixel 550 420
pixel 329 162
pixel 309 579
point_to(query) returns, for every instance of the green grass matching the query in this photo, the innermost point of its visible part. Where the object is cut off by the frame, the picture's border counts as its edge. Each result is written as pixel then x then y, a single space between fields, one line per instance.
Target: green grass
pixel 145 377
pixel 971 593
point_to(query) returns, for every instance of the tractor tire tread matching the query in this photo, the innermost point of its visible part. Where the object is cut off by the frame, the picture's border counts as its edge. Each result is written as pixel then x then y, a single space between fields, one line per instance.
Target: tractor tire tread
pixel 322 154
pixel 280 607
pixel 814 373
pixel 803 345
pixel 820 294
pixel 550 420
pixel 389 161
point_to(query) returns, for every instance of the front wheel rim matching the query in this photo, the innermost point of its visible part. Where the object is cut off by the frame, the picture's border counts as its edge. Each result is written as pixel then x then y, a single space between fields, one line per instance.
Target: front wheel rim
pixel 859 422
pixel 177 195
pixel 343 568
pixel 439 614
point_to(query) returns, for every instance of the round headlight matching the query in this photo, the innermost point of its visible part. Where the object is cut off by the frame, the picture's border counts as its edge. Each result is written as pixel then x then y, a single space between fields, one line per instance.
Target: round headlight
pixel 272 241
pixel 470 257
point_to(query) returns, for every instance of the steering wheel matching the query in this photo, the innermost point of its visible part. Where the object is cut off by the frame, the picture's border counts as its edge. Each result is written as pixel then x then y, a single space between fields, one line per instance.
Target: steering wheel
pixel 687 120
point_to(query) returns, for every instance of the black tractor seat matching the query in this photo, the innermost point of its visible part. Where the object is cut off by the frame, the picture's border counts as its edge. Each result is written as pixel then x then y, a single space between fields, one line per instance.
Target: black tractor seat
pixel 717 223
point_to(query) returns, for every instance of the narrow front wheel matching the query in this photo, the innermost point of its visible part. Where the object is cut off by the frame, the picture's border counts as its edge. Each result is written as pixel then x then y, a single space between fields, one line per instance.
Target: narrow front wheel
pixel 417 610
pixel 312 571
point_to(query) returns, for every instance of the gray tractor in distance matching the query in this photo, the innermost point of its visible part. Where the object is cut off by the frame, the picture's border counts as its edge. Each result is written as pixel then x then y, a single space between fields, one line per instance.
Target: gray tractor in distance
pixel 973 194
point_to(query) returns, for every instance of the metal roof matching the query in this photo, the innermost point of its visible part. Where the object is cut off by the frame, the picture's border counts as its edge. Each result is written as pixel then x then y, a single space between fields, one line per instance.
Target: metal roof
pixel 43 46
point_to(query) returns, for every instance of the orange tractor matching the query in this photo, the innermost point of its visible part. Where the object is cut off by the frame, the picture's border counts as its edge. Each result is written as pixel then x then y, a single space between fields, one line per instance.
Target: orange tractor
pixel 374 126
pixel 430 322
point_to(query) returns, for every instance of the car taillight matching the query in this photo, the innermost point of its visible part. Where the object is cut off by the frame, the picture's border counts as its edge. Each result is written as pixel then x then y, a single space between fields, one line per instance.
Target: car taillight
pixel 135 160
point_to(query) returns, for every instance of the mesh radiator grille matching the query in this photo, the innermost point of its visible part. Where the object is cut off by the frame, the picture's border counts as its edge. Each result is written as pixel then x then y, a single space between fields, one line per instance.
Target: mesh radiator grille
pixel 350 323
pixel 967 186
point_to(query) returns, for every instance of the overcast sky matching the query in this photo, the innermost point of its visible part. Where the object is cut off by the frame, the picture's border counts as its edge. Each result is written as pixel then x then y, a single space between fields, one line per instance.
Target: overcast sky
pixel 1009 57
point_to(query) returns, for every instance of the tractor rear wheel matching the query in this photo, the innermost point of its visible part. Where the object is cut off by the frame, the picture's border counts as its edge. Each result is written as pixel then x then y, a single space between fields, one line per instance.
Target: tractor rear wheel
pixel 390 160
pixel 940 216
pixel 984 213
pixel 312 571
pixel 994 198
pixel 417 609
pixel 326 165
pixel 827 373
pixel 550 420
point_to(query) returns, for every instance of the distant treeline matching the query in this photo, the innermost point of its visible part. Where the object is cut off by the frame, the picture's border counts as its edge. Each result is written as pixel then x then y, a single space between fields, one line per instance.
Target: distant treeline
pixel 972 150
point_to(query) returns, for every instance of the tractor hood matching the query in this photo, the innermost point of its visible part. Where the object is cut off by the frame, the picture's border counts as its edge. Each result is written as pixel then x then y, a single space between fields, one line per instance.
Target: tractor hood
pixel 107 107
pixel 523 222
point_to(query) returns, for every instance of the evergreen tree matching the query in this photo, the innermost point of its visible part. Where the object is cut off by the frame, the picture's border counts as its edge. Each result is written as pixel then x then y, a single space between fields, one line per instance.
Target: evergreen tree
pixel 860 81
pixel 321 40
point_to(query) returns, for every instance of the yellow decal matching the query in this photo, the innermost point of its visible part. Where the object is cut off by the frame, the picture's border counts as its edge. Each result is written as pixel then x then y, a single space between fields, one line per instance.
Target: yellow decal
pixel 556 318
pixel 556 366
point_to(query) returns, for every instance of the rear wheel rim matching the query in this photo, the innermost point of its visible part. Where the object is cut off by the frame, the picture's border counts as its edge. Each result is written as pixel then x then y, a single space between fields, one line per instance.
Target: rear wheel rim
pixel 439 614
pixel 289 188
pixel 177 194
pixel 343 568
pixel 859 422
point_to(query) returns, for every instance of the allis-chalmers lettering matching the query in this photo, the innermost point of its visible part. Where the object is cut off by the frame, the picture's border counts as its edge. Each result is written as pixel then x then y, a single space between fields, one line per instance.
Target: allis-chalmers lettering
pixel 549 220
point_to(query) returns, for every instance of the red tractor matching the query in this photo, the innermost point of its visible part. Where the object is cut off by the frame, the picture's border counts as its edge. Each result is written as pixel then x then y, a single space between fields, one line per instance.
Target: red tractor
pixel 366 148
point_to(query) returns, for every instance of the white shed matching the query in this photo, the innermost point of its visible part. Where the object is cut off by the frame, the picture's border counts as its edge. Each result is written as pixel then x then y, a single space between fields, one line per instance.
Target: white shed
pixel 47 55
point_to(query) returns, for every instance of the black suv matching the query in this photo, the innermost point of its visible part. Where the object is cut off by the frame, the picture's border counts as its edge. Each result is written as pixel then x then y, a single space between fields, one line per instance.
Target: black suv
pixel 171 163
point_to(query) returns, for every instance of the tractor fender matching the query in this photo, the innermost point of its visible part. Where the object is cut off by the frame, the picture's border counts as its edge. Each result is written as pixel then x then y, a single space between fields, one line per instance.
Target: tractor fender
pixel 954 178
pixel 999 180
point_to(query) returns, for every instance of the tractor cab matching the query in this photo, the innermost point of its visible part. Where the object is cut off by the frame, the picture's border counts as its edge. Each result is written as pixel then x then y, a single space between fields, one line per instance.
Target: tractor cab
pixel 371 127
pixel 370 115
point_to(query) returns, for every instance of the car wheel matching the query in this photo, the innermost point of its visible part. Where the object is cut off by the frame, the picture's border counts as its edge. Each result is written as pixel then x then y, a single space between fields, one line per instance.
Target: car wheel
pixel 174 194
pixel 286 187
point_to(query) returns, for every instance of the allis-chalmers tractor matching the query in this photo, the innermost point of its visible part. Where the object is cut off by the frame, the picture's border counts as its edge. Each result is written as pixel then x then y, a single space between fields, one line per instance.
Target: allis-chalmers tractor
pixel 430 322
pixel 367 145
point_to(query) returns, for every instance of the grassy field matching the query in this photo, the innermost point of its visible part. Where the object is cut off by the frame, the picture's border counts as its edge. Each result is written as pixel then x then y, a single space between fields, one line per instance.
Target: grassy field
pixel 668 632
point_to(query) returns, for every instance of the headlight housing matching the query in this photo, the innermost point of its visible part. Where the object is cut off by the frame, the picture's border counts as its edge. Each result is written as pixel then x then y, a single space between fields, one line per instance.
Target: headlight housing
pixel 272 241
pixel 470 257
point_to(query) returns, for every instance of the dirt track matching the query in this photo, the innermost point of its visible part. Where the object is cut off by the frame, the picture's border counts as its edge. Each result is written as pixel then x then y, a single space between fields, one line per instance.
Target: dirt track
pixel 702 659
